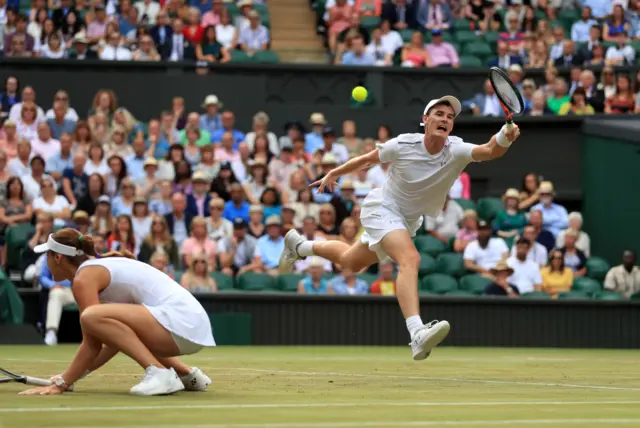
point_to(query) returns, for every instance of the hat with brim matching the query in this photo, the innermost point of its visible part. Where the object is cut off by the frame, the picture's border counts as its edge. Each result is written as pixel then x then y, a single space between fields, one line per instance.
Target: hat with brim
pixel 502 266
pixel 318 119
pixel 511 193
pixel 453 101
pixel 329 159
pixel 104 199
pixel 546 187
pixel 140 200
pixel 273 220
pixel 211 100
pixel 199 176
pixel 150 162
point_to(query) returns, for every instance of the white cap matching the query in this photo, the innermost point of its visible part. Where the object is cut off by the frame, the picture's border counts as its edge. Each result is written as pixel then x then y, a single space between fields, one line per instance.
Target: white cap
pixel 57 247
pixel 455 103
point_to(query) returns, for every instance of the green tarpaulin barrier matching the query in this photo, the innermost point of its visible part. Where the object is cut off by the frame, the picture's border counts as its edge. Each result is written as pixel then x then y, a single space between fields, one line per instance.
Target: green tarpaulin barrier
pixel 11 306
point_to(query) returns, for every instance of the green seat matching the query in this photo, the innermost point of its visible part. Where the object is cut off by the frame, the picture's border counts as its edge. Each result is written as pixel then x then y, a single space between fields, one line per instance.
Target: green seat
pixel 461 24
pixel 569 16
pixel 426 293
pixel 71 308
pixel 438 283
pixel 478 49
pixel 540 14
pixel 597 268
pixel 459 293
pixel 255 282
pixel 635 44
pixel 429 245
pixel 540 295
pixel 466 204
pixel 177 275
pixel 406 35
pixel 610 295
pixel 427 265
pixel 488 208
pixel 474 283
pixel 573 295
pixel 463 37
pixel 635 296
pixel 468 61
pixel 370 22
pixel 223 282
pixel 586 285
pixel 450 264
pixel 370 278
pixel 265 20
pixel 492 37
pixel 447 37
pixel 607 45
pixel 16 238
pixel 266 57
pixel 288 282
pixel 239 56
pixel 233 9
pixel 261 8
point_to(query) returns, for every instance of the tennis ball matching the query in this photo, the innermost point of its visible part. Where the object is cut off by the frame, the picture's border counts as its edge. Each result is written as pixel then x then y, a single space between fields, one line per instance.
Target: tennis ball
pixel 359 93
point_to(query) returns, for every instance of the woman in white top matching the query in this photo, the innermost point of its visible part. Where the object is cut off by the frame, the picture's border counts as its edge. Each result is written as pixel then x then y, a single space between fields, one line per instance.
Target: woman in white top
pixel 34 29
pixel 53 48
pixel 583 242
pixel 149 317
pixel 52 203
pixel 71 113
pixel 141 221
pixel 226 32
pixel 96 163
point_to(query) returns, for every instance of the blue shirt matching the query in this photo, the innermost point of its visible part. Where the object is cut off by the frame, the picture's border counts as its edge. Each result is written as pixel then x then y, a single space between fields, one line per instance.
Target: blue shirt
pixel 211 124
pixel 580 30
pixel 238 137
pixel 57 163
pixel 340 286
pixel 231 212
pixel 79 183
pixel 313 142
pixel 204 8
pixel 180 232
pixel 555 218
pixel 269 211
pixel 162 148
pixel 135 166
pixel 270 250
pixel 350 58
pixel 67 126
pixel 323 287
pixel 46 278
pixel 160 207
pixel 118 207
pixel 599 8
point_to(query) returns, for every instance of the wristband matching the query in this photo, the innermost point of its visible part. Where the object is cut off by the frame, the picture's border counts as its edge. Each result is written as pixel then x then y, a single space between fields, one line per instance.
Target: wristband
pixel 502 139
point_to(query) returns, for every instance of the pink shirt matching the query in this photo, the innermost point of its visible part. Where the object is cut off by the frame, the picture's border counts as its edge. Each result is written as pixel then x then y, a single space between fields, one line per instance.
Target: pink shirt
pixel 222 154
pixel 442 54
pixel 45 149
pixel 193 246
pixel 210 18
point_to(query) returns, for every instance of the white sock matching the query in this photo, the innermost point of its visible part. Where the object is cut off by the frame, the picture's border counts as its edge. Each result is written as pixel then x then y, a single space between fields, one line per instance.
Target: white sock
pixel 305 249
pixel 413 323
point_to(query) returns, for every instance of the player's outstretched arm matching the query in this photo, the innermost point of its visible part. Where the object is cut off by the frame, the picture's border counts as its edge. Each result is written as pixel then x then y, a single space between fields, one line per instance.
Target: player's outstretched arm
pixel 330 180
pixel 497 145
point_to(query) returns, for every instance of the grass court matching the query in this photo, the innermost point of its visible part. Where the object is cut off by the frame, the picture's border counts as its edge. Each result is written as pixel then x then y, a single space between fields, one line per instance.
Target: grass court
pixel 295 387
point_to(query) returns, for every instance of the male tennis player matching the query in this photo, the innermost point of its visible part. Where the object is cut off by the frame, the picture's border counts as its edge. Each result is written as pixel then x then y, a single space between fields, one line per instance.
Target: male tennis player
pixel 423 169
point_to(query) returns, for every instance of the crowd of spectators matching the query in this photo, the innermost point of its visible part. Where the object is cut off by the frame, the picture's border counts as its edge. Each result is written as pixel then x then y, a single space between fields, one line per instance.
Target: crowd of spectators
pixel 206 31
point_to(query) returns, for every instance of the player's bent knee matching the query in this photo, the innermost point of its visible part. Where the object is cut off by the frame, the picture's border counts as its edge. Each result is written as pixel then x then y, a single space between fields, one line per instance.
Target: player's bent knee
pixel 90 316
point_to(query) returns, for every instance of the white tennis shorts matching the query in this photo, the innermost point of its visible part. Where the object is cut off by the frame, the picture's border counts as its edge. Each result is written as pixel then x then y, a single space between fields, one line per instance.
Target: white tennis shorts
pixel 378 221
pixel 185 346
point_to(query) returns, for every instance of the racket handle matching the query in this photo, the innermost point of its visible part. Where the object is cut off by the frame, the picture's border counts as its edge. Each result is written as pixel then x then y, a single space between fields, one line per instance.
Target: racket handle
pixel 509 124
pixel 37 381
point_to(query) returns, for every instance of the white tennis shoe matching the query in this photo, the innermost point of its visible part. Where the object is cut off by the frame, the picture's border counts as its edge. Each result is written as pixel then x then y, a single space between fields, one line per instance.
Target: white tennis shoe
pixel 290 254
pixel 196 380
pixel 158 382
pixel 428 337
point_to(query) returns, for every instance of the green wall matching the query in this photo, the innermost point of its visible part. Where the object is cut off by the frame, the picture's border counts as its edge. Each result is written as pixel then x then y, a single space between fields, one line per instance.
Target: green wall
pixel 611 204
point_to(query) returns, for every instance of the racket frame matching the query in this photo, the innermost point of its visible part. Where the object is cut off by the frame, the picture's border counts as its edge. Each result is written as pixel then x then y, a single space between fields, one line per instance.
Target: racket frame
pixel 27 380
pixel 507 110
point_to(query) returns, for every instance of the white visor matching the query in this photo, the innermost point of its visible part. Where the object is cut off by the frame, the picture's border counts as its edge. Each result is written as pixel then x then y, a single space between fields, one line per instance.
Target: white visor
pixel 453 101
pixel 57 247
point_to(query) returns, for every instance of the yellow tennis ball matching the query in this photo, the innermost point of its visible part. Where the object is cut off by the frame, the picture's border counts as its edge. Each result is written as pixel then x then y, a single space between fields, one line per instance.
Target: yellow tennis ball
pixel 359 93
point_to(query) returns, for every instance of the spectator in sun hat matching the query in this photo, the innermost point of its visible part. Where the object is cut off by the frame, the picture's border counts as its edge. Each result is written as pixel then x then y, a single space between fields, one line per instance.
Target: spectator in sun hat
pixel 501 286
pixel 80 49
pixel 510 221
pixel 80 221
pixel 314 282
pixel 198 200
pixel 147 186
pixel 211 120
pixel 345 201
pixel 241 20
pixel 217 226
pixel 237 251
pixel 313 140
pixel 327 163
pixel 269 247
pixel 255 36
pixel 555 216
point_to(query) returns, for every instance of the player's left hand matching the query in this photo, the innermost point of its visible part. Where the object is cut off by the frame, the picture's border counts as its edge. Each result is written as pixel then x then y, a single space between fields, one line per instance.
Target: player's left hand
pixel 511 132
pixel 328 182
pixel 43 390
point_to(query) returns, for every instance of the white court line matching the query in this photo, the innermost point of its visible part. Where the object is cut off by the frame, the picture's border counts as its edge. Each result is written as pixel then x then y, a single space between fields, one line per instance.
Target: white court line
pixel 309 405
pixel 445 379
pixel 390 423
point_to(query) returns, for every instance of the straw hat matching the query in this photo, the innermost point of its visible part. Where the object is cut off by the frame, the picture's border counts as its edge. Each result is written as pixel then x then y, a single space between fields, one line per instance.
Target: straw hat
pixel 502 266
pixel 546 187
pixel 318 119
pixel 511 193
pixel 273 220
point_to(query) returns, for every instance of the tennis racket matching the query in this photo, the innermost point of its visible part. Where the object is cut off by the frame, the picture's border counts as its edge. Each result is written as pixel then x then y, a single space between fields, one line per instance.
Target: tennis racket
pixel 507 93
pixel 8 377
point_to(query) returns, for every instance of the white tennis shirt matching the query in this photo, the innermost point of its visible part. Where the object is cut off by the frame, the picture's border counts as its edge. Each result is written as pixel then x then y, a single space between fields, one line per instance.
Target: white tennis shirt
pixel 418 182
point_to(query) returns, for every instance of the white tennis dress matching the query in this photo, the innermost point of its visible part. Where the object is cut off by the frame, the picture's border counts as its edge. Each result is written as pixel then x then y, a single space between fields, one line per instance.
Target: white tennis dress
pixel 417 184
pixel 170 304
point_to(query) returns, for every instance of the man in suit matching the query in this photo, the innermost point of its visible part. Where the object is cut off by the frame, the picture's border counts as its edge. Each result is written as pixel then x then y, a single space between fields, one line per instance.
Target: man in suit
pixel 179 221
pixel 569 56
pixel 59 15
pixel 434 14
pixel 595 96
pixel 504 60
pixel 198 200
pixel 595 36
pixel 162 33
pixel 401 15
pixel 80 49
pixel 181 49
pixel 485 103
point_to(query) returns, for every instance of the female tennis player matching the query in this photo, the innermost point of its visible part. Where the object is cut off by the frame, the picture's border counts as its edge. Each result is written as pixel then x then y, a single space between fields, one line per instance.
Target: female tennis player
pixel 150 317
pixel 423 169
